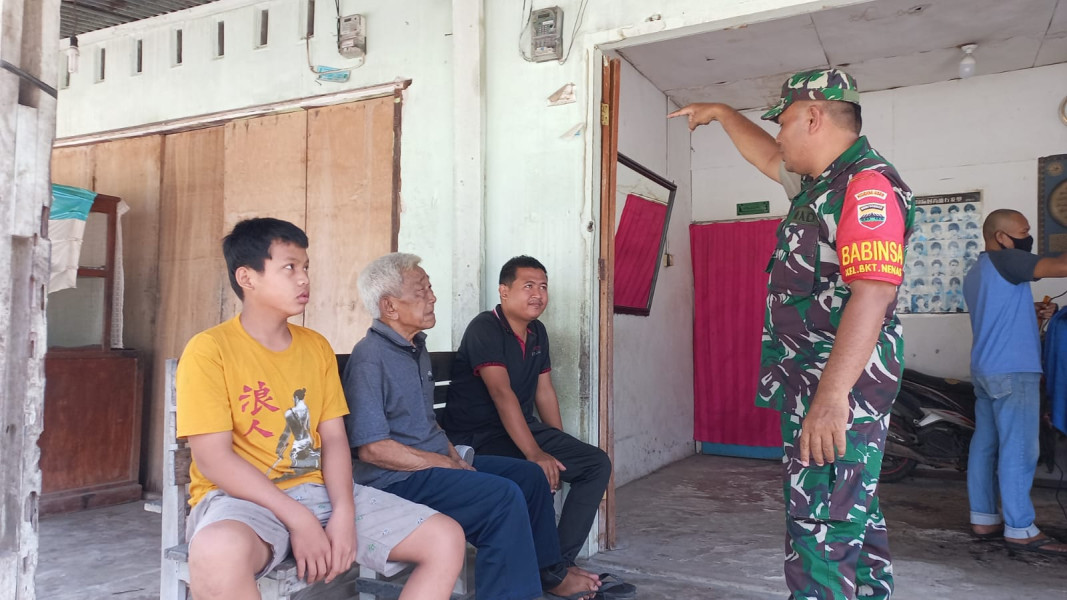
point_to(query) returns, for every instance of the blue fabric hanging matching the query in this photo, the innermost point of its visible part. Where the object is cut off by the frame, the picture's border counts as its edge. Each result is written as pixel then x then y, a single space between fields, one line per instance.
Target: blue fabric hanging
pixel 1055 366
pixel 70 202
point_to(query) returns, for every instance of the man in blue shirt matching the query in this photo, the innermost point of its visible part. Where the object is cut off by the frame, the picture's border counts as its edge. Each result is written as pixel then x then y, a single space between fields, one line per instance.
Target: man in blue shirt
pixel 1006 371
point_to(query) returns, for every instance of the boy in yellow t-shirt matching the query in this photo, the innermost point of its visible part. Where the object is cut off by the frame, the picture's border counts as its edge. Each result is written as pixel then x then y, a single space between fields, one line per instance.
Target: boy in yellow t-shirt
pixel 260 402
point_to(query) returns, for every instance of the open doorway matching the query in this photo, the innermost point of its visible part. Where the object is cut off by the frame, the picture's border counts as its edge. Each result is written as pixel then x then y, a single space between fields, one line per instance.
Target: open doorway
pixel 918 112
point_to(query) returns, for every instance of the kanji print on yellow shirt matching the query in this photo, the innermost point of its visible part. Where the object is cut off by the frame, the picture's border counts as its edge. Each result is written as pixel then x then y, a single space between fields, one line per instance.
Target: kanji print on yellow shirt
pixel 270 402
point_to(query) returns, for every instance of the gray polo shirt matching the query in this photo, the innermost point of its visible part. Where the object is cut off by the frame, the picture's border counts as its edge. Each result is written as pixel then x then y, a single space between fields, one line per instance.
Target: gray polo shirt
pixel 389 387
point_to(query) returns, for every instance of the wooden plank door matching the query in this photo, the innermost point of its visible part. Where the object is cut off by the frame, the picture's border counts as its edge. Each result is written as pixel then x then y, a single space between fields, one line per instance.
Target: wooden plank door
pixel 192 272
pixel 73 166
pixel 265 176
pixel 352 216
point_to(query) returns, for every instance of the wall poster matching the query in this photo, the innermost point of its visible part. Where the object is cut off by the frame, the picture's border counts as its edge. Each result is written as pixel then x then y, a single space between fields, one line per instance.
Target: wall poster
pixel 945 241
pixel 1052 204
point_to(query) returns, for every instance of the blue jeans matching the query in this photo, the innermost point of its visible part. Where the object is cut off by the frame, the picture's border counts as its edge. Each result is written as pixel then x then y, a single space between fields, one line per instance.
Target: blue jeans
pixel 505 509
pixel 1004 450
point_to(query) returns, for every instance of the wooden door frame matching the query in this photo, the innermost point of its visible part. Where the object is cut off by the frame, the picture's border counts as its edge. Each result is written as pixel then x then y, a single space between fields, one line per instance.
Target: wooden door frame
pixel 609 147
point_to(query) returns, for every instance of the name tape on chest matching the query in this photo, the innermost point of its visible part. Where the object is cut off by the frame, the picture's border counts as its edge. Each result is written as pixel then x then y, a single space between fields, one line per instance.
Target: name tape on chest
pixel 803 215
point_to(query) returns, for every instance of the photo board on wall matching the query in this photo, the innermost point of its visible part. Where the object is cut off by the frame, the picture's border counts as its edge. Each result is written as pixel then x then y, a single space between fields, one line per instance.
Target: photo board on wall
pixel 945 241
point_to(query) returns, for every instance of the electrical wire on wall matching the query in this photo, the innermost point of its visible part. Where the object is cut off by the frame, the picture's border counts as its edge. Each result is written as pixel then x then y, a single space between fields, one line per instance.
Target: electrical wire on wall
pixel 524 28
pixel 337 6
pixel 322 72
pixel 574 31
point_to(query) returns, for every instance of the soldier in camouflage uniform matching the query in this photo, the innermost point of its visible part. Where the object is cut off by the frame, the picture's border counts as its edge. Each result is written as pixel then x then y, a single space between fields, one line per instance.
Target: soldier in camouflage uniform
pixel 832 350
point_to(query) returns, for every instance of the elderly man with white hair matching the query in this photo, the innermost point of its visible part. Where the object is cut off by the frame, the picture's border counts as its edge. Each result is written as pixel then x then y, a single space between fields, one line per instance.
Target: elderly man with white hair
pixel 503 504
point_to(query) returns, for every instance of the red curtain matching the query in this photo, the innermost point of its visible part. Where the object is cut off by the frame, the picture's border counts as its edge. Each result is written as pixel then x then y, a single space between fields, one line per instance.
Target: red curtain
pixel 730 290
pixel 637 242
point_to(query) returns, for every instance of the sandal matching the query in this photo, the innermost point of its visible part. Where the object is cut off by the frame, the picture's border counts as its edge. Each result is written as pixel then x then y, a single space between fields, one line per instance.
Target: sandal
pixel 612 587
pixel 1037 546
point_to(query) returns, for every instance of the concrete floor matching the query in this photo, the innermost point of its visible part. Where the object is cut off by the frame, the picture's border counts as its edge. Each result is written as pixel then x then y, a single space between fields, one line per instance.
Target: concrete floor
pixel 703 528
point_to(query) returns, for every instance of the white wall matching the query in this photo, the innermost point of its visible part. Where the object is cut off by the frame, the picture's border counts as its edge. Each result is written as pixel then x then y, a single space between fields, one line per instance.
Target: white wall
pixel 653 385
pixel 984 133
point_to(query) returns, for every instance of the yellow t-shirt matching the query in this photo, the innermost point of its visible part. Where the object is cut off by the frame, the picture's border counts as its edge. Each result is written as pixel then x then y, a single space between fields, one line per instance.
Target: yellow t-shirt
pixel 272 402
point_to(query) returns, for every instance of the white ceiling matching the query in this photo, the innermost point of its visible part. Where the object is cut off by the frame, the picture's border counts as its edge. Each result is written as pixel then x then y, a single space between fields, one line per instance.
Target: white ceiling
pixel 884 44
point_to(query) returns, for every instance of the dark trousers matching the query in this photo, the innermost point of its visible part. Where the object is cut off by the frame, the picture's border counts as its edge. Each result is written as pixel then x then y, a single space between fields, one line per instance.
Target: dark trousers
pixel 588 472
pixel 505 509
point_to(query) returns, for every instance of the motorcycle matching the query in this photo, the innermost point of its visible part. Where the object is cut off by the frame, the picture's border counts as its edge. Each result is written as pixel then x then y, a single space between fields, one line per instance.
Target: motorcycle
pixel 932 422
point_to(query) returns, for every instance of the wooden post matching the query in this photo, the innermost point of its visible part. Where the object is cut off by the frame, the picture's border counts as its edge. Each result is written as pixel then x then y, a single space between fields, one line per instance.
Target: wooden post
pixel 29 35
pixel 609 149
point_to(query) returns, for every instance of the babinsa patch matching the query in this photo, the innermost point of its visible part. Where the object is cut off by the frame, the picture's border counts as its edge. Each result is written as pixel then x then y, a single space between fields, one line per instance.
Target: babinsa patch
pixel 871 211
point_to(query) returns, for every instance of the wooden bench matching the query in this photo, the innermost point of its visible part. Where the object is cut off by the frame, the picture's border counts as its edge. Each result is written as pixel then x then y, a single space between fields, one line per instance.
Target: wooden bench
pixel 281 583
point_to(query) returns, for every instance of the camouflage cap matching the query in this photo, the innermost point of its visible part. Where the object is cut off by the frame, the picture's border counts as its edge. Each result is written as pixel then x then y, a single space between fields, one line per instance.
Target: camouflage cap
pixel 820 84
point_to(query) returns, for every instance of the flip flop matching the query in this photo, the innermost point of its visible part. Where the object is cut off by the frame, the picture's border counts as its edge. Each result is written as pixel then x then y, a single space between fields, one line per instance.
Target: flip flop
pixel 612 587
pixel 1036 546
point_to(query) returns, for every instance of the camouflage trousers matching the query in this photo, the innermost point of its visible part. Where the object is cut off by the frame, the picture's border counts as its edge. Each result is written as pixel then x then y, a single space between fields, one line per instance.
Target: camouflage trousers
pixel 836 543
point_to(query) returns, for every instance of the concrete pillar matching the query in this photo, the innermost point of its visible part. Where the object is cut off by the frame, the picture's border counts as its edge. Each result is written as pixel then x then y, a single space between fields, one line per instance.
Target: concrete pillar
pixel 468 175
pixel 29 39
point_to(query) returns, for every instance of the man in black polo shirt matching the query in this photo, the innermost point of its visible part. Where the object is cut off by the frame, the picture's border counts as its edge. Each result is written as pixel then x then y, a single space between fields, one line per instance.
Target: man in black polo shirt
pixel 504 505
pixel 501 373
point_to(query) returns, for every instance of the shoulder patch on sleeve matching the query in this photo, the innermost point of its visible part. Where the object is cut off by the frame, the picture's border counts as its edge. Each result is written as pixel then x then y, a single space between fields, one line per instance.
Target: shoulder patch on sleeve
pixel 871 210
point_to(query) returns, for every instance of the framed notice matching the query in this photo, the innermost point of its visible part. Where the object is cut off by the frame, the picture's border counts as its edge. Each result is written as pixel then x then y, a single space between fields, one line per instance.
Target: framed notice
pixel 945 241
pixel 1052 204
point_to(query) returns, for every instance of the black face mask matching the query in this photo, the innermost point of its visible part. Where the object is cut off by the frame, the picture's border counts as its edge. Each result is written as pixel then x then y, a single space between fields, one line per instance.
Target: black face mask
pixel 1025 244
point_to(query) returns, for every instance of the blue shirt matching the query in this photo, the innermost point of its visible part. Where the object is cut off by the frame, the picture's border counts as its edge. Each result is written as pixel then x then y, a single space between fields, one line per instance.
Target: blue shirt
pixel 389 387
pixel 1003 320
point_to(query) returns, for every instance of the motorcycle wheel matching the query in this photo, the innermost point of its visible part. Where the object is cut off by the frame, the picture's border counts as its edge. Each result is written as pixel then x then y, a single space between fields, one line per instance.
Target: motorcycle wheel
pixel 896 468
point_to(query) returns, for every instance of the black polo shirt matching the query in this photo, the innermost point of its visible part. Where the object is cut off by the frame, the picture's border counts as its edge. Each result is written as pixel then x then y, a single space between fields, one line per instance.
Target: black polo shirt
pixel 470 415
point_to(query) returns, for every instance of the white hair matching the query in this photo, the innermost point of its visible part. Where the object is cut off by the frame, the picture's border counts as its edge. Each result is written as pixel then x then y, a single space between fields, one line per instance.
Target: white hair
pixel 384 277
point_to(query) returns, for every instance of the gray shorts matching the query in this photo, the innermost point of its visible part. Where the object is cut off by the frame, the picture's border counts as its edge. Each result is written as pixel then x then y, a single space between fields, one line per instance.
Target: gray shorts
pixel 382 521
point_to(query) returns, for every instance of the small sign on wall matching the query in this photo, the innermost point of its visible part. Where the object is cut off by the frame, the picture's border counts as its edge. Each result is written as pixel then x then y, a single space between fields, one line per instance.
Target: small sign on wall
pixel 746 209
pixel 945 241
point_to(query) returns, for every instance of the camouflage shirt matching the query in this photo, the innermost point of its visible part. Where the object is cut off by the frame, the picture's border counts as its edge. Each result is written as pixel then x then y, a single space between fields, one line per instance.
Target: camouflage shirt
pixel 807 295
